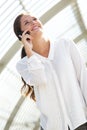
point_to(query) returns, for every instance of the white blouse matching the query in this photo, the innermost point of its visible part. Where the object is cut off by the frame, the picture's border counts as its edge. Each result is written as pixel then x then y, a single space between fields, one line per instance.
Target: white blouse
pixel 60 83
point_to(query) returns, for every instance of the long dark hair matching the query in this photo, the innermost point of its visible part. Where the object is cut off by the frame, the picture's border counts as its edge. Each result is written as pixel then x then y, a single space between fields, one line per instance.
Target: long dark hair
pixel 18 31
pixel 30 89
pixel 17 26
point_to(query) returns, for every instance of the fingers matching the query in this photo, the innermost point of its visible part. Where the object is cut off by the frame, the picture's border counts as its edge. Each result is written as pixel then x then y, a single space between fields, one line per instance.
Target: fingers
pixel 26 37
pixel 20 36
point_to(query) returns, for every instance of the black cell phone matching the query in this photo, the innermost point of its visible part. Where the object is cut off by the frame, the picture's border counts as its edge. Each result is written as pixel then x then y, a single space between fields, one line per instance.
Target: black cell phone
pixel 27 32
pixel 20 33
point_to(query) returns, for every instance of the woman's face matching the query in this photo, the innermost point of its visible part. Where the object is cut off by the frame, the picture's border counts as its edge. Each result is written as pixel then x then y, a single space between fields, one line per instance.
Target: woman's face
pixel 31 23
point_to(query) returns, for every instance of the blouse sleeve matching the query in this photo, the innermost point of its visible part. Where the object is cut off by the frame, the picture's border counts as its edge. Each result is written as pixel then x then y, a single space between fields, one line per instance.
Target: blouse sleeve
pixel 32 71
pixel 80 68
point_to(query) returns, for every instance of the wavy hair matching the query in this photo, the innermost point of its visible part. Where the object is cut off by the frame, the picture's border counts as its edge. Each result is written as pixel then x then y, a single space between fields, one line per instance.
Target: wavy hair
pixel 26 88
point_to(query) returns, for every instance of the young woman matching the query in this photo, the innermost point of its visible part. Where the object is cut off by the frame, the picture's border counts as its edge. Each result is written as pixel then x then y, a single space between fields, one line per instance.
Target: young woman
pixel 58 74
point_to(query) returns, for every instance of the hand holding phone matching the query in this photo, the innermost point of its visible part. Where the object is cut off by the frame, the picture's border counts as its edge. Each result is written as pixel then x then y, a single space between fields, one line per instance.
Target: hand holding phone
pixel 28 34
pixel 27 41
pixel 20 35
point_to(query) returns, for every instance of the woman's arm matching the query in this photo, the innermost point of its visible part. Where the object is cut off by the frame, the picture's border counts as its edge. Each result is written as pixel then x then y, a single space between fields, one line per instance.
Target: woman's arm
pixel 80 68
pixel 32 71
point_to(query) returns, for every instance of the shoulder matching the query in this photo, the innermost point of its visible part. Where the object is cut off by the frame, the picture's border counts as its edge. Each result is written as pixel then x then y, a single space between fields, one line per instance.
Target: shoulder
pixel 21 64
pixel 63 42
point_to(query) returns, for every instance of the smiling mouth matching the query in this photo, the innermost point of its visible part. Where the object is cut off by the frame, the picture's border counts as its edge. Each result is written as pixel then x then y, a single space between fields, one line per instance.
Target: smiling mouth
pixel 35 28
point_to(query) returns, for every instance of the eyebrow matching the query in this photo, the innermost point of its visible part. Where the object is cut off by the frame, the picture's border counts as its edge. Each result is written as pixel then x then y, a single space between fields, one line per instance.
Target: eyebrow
pixel 27 20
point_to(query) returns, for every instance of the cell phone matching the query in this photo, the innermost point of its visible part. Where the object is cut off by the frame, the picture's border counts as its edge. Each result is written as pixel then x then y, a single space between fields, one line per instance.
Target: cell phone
pixel 20 33
pixel 29 34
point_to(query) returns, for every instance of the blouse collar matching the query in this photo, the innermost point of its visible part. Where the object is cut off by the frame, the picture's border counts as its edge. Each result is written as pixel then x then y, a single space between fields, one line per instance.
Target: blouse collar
pixel 51 52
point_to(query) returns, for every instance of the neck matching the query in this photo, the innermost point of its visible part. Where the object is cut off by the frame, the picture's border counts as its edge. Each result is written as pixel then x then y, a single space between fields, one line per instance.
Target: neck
pixel 42 46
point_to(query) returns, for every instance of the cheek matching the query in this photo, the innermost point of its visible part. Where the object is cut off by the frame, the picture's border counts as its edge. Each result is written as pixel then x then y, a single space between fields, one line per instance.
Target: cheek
pixel 26 27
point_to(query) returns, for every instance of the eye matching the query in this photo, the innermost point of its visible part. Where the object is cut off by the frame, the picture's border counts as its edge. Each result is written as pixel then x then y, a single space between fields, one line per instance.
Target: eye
pixel 27 22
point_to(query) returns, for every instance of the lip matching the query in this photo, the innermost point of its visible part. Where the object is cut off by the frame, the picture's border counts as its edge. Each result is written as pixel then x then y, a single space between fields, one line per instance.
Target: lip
pixel 35 28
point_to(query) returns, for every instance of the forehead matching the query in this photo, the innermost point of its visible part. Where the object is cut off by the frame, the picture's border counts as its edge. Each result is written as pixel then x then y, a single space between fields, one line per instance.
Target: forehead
pixel 26 16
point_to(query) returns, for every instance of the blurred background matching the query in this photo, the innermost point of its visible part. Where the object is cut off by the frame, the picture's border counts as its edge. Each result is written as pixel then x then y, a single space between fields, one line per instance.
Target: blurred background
pixel 61 18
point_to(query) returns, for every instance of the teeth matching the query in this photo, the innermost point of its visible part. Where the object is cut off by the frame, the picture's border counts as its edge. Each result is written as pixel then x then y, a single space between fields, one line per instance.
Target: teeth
pixel 35 28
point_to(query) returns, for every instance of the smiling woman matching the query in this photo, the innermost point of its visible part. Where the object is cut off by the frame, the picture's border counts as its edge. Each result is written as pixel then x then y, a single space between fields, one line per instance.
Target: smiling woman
pixel 39 44
pixel 51 68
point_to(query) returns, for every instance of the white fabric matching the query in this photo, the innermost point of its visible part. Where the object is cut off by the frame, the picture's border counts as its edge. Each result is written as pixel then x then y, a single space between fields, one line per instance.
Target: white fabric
pixel 60 83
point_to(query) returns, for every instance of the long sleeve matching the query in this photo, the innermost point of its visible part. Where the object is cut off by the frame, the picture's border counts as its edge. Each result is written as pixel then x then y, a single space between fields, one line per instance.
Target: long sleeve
pixel 32 70
pixel 80 68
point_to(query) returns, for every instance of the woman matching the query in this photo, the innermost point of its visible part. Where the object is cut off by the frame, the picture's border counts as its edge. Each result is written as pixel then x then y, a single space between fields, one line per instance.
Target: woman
pixel 58 74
